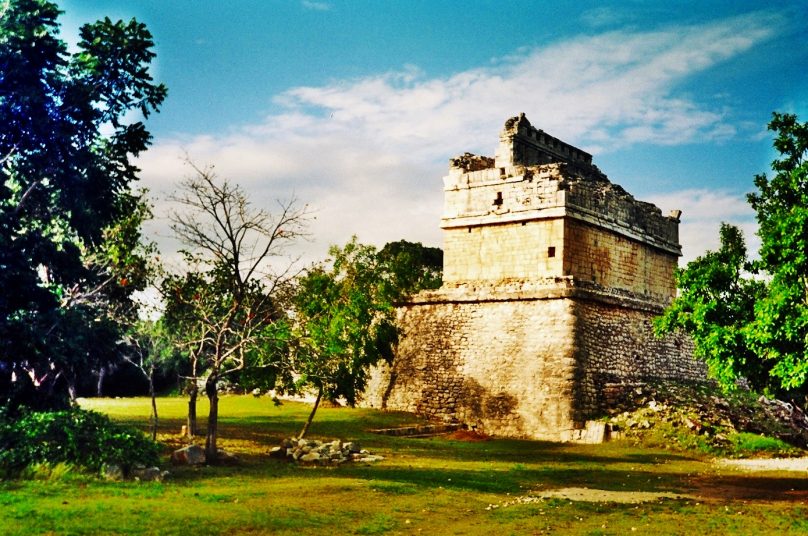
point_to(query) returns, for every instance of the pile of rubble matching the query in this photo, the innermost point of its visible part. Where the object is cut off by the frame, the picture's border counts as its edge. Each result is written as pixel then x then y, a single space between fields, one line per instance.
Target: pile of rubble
pixel 309 451
pixel 138 473
pixel 703 411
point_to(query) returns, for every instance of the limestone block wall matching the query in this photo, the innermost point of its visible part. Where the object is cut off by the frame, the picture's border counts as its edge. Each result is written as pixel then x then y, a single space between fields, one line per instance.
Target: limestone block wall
pixel 520 142
pixel 500 192
pixel 615 261
pixel 526 250
pixel 552 275
pixel 506 367
pixel 534 368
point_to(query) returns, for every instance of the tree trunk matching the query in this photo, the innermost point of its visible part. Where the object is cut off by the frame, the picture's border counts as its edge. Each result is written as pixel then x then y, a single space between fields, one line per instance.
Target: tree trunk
pixel 192 393
pixel 311 415
pixel 153 403
pixel 213 418
pixel 71 388
pixel 99 388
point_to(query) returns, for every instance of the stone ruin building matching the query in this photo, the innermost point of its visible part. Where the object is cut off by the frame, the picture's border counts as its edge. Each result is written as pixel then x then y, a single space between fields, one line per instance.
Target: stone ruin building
pixel 552 275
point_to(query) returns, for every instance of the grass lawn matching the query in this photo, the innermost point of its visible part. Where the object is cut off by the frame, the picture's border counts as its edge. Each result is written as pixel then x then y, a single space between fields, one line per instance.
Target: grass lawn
pixel 423 486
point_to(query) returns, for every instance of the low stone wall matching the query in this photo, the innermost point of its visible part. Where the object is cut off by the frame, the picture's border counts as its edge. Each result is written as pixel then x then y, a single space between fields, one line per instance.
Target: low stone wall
pixel 534 366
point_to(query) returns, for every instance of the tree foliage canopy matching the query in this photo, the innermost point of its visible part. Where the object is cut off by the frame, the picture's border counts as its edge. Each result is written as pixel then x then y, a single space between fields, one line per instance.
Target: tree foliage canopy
pixel 715 306
pixel 70 244
pixel 779 332
pixel 750 319
pixel 344 317
pixel 345 321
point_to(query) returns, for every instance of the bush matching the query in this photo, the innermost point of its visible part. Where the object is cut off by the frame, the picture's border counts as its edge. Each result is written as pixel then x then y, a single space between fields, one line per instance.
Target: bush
pixel 86 439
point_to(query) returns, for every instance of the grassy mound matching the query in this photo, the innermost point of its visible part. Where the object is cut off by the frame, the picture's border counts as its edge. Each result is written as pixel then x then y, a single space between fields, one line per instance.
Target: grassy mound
pixel 702 418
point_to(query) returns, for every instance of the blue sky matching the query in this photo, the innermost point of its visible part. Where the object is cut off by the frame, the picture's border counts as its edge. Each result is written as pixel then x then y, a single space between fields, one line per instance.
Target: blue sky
pixel 355 107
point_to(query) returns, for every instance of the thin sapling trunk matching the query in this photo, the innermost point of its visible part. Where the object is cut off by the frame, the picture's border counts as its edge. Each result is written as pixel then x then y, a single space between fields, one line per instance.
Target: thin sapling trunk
pixel 311 415
pixel 213 419
pixel 153 403
pixel 191 424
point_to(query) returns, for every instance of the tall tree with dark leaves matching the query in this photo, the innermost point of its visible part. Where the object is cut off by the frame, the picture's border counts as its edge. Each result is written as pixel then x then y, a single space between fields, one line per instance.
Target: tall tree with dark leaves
pixel 71 253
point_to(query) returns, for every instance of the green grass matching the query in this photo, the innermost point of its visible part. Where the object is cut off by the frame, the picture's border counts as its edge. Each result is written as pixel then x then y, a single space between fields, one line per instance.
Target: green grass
pixel 423 486
pixel 746 444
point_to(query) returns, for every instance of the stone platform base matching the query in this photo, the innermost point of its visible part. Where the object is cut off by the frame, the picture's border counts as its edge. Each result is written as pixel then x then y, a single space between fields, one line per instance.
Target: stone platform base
pixel 528 364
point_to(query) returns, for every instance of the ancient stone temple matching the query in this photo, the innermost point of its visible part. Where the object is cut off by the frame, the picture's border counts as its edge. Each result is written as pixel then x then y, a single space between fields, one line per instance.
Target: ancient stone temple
pixel 552 275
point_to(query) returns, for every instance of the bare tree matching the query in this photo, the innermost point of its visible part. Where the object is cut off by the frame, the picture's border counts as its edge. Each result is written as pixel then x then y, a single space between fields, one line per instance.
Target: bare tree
pixel 225 307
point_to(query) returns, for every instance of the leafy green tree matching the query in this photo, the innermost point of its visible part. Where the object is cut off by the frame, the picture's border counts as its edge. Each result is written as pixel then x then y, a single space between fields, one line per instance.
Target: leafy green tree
pixel 779 332
pixel 750 319
pixel 715 305
pixel 69 219
pixel 411 267
pixel 150 349
pixel 344 324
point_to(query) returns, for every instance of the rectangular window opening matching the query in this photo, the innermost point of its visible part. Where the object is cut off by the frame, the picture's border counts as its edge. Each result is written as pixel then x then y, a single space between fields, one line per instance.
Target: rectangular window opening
pixel 551 251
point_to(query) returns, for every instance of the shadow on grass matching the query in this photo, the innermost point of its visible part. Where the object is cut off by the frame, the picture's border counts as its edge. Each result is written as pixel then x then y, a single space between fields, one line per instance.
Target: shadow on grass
pixel 396 480
pixel 753 487
pixel 525 451
pixel 514 482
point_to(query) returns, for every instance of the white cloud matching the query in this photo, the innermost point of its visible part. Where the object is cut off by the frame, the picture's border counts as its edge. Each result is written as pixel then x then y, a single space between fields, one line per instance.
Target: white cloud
pixel 600 17
pixel 368 154
pixel 703 212
pixel 316 6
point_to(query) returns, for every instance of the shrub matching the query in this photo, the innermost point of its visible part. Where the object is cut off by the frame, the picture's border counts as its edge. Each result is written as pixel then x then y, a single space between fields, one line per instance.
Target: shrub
pixel 86 439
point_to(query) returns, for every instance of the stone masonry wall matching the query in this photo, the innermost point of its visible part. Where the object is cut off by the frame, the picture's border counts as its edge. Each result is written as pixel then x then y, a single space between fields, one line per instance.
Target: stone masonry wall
pixel 507 224
pixel 533 368
pixel 547 248
pixel 615 261
pixel 615 344
pixel 506 367
pixel 506 251
pixel 552 275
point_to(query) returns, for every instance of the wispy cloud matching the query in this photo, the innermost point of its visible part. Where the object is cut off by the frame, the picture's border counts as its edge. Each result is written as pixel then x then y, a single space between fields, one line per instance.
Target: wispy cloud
pixel 601 17
pixel 368 153
pixel 703 212
pixel 316 6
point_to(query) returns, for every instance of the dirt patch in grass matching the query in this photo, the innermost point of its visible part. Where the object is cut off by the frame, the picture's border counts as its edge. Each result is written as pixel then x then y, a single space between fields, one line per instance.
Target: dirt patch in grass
pixel 751 488
pixel 468 435
pixel 771 464
pixel 593 495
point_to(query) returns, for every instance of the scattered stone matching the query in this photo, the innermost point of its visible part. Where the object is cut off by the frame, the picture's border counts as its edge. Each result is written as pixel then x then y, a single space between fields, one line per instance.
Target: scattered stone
pixel 112 472
pixel 149 474
pixel 322 452
pixel 190 455
pixel 278 453
pixel 673 408
pixel 310 457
